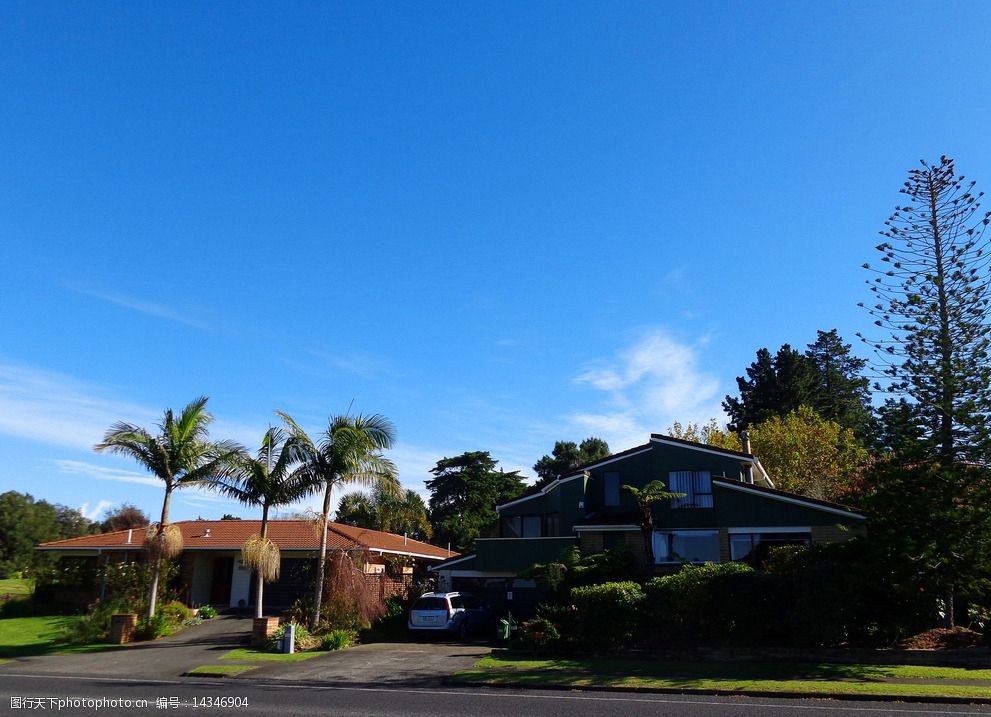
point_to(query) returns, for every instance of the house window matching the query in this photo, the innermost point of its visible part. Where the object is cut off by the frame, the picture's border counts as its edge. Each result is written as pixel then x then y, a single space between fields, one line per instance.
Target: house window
pixel 531 526
pixel 552 525
pixel 686 546
pixel 755 547
pixel 610 481
pixel 696 485
pixel 521 526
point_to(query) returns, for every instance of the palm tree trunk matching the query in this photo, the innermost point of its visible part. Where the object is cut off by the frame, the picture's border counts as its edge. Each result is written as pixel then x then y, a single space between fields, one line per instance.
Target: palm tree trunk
pixel 259 582
pixel 321 572
pixel 156 569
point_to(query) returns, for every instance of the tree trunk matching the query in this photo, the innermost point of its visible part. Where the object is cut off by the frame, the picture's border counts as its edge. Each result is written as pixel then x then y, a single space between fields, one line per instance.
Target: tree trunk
pixel 948 606
pixel 321 560
pixel 156 569
pixel 259 582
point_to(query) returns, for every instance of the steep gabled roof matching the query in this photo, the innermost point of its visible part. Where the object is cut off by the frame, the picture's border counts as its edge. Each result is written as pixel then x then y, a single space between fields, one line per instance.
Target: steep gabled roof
pixel 287 534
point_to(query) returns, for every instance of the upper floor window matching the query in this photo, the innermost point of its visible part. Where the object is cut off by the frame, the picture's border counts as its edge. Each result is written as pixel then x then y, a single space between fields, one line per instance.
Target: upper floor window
pixel 610 482
pixel 521 526
pixel 696 485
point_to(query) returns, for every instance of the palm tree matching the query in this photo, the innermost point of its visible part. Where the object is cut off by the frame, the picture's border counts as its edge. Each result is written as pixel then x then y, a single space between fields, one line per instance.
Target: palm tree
pixel 180 455
pixel 267 480
pixel 646 497
pixel 348 453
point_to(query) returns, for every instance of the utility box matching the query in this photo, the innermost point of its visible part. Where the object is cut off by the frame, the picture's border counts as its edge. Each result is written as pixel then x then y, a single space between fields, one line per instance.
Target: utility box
pixel 289 639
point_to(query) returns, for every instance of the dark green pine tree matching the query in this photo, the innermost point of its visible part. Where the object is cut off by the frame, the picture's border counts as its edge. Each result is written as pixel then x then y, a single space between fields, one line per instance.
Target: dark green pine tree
pixel 773 387
pixel 841 390
pixel 931 299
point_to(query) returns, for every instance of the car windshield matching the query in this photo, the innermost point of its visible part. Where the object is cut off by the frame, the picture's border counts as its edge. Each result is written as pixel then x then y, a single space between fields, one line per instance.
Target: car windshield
pixel 430 603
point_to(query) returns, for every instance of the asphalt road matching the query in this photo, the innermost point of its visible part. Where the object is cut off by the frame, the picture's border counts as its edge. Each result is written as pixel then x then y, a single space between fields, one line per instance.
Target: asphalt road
pixel 22 692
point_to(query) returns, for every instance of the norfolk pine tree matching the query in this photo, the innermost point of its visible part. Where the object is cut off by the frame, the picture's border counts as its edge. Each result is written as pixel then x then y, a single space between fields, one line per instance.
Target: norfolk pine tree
pixel 931 298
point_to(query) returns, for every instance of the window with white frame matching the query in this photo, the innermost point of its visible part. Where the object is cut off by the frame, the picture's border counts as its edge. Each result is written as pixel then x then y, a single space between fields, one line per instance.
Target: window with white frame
pixel 696 486
pixel 755 547
pixel 686 546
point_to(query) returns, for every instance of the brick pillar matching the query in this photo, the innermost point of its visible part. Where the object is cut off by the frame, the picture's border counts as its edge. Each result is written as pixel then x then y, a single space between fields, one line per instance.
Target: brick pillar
pixel 261 629
pixel 122 627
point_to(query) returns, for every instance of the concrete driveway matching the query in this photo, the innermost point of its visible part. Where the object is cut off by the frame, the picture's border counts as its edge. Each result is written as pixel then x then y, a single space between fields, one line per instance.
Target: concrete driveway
pixel 167 658
pixel 382 664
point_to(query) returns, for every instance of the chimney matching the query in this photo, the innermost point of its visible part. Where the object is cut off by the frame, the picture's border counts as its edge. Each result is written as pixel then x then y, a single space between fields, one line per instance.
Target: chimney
pixel 129 531
pixel 206 532
pixel 748 466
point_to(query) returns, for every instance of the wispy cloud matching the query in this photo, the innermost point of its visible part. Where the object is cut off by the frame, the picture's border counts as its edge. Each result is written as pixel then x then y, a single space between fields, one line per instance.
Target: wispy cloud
pixel 648 385
pixel 57 409
pixel 141 306
pixel 96 511
pixel 316 362
pixel 98 472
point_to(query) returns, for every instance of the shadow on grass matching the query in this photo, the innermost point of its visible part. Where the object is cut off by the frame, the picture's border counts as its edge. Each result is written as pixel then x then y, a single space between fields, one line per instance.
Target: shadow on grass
pixel 608 670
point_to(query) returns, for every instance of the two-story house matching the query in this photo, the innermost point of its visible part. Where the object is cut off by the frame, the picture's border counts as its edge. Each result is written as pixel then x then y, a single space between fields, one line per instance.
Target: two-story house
pixel 730 511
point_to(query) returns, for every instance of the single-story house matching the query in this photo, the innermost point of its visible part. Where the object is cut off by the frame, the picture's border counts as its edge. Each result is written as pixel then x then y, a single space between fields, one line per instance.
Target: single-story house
pixel 730 511
pixel 212 571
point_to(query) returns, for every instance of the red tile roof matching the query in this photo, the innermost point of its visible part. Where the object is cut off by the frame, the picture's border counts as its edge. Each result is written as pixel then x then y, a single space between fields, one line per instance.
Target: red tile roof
pixel 287 534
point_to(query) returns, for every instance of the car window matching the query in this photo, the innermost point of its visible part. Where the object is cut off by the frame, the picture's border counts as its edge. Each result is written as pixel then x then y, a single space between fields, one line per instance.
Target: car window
pixel 457 602
pixel 430 603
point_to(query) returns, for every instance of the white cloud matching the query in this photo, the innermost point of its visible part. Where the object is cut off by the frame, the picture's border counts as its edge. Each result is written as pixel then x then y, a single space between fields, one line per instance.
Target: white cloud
pixel 91 470
pixel 57 409
pixel 96 511
pixel 144 307
pixel 649 385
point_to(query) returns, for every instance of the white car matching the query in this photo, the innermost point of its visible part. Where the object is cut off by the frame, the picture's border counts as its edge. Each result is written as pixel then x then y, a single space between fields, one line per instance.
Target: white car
pixel 456 613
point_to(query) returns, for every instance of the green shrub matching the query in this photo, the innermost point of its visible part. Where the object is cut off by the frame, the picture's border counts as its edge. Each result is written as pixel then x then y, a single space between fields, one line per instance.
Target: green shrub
pixel 607 613
pixel 155 627
pixel 175 612
pixel 207 612
pixel 337 640
pixel 93 627
pixel 538 632
pixel 685 606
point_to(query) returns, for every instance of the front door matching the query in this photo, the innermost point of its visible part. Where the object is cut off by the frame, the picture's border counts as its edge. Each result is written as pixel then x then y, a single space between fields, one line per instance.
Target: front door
pixel 220 587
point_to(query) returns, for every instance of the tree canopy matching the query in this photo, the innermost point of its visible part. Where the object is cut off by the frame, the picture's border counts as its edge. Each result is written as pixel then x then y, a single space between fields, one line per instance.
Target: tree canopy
pixel 568 455
pixel 826 378
pixel 403 514
pixel 464 492
pixel 25 522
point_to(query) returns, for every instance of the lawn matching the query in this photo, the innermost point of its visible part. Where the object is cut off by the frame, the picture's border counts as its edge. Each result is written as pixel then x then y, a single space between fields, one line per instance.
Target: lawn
pixel 245 654
pixel 16 587
pixel 807 678
pixel 24 636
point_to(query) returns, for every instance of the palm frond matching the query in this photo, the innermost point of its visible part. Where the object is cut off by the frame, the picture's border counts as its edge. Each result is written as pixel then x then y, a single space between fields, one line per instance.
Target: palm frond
pixel 262 555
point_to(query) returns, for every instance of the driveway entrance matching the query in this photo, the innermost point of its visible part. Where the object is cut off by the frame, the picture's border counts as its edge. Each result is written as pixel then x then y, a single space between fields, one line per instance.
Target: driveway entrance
pixel 380 664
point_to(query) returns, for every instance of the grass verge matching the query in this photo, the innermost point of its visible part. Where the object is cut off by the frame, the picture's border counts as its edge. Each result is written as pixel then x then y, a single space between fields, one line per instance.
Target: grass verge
pixel 245 654
pixel 16 587
pixel 810 678
pixel 27 636
pixel 220 670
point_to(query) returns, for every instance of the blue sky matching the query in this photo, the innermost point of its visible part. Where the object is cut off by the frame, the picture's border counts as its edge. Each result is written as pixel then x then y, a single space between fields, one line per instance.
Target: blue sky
pixel 499 224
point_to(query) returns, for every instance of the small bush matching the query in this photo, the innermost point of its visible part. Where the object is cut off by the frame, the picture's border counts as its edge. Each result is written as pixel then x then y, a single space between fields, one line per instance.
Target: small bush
pixel 207 612
pixel 156 627
pixel 607 613
pixel 175 612
pixel 538 632
pixel 337 640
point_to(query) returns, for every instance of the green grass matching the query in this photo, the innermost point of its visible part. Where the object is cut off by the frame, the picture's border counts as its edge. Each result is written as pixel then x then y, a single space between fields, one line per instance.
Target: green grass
pixel 811 678
pixel 16 586
pixel 245 654
pixel 220 670
pixel 25 636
